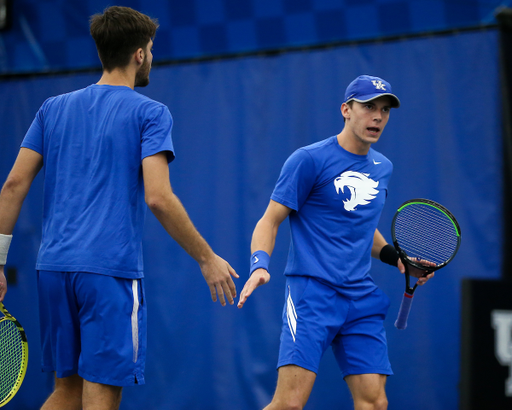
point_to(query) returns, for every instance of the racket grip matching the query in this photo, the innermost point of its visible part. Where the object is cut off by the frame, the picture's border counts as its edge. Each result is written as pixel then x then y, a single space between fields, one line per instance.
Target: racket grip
pixel 403 313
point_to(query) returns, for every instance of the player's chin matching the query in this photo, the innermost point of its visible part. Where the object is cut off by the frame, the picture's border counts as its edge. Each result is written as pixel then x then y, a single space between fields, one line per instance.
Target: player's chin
pixel 142 81
pixel 373 135
pixel 372 139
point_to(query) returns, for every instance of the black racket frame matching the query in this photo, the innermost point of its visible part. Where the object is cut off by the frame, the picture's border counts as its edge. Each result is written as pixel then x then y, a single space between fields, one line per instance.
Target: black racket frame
pixel 403 255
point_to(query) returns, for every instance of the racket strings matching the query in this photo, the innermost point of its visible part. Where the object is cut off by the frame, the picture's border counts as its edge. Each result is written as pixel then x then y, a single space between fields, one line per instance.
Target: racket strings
pixel 11 357
pixel 425 232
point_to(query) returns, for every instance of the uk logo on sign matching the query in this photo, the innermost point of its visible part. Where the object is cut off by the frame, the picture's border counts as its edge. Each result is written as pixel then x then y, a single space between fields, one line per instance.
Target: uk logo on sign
pixel 501 321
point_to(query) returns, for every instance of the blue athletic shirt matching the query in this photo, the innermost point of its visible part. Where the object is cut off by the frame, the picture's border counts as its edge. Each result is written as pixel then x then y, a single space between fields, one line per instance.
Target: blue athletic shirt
pixel 93 141
pixel 336 199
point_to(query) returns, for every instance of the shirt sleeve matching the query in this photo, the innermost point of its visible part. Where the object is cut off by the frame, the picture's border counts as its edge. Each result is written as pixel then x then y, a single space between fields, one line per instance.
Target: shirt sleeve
pixel 34 138
pixel 156 134
pixel 296 180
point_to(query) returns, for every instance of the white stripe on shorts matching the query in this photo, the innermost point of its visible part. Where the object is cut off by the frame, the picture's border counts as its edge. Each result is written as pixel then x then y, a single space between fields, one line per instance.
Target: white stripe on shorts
pixel 291 315
pixel 135 319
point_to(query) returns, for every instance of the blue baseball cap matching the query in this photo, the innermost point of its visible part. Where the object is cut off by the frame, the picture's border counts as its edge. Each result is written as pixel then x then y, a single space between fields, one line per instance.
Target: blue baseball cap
pixel 366 88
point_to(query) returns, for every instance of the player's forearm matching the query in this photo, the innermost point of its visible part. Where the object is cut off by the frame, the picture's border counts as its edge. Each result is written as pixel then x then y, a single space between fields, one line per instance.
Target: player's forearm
pixel 265 232
pixel 11 199
pixel 16 187
pixel 264 236
pixel 378 243
pixel 174 218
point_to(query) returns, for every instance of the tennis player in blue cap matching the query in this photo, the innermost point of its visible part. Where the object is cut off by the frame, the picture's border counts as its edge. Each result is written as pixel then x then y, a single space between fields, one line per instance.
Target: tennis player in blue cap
pixel 333 192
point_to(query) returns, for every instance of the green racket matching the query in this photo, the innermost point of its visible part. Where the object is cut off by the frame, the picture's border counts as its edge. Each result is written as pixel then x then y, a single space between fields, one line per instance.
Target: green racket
pixel 13 356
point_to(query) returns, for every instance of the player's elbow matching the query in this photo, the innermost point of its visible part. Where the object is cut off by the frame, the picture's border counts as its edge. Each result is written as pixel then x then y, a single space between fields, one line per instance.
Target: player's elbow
pixel 268 224
pixel 14 186
pixel 160 200
pixel 155 201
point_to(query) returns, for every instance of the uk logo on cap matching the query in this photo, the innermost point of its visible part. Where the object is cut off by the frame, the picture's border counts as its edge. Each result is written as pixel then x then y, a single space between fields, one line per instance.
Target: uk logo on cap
pixel 379 85
pixel 366 88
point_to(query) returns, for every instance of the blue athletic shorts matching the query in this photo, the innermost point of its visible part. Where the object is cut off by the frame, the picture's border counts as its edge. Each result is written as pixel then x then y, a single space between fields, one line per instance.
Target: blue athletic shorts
pixel 93 325
pixel 316 316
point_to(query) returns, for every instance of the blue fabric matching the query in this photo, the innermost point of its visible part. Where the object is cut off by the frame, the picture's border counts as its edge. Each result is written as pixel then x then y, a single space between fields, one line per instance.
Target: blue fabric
pixel 366 88
pixel 92 142
pixel 196 28
pixel 236 123
pixel 316 316
pixel 259 259
pixel 337 198
pixel 87 329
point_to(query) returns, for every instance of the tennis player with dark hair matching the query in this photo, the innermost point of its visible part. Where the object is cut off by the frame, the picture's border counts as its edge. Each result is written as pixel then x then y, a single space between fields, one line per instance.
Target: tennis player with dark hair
pixel 333 192
pixel 105 150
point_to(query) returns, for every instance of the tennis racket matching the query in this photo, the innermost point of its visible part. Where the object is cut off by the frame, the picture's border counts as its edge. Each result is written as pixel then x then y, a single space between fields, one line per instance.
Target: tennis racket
pixel 427 236
pixel 13 356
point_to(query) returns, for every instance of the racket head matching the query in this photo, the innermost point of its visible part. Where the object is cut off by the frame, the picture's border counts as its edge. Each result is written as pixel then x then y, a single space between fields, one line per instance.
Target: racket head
pixel 13 356
pixel 424 230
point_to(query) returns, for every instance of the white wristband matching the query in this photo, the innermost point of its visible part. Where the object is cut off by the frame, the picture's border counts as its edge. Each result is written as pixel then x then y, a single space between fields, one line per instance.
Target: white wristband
pixel 5 242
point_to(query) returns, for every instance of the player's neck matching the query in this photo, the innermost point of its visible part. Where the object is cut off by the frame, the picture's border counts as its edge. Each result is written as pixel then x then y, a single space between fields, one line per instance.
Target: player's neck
pixel 118 77
pixel 349 142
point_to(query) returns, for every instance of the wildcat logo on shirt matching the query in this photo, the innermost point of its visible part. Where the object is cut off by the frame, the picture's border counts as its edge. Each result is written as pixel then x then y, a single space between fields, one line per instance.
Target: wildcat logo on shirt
pixel 362 189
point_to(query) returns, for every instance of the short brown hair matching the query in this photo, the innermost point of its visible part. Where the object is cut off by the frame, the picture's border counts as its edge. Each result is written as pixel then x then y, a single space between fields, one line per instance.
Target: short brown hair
pixel 118 33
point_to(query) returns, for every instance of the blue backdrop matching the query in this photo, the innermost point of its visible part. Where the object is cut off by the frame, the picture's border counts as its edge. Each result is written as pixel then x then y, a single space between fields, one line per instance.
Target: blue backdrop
pixel 54 34
pixel 236 121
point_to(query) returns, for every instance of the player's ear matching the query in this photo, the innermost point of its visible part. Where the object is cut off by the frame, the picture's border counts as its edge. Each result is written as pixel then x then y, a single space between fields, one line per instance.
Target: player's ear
pixel 345 110
pixel 139 56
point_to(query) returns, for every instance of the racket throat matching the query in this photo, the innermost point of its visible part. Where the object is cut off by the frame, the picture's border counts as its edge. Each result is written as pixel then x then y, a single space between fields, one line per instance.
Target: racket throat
pixel 408 289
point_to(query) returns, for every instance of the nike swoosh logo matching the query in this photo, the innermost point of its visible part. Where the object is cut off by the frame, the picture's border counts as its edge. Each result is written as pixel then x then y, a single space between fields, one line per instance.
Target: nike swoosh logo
pixel 376 162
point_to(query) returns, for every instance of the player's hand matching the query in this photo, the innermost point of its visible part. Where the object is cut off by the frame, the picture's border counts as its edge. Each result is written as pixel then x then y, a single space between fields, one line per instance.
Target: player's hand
pixel 259 277
pixel 3 284
pixel 217 273
pixel 423 275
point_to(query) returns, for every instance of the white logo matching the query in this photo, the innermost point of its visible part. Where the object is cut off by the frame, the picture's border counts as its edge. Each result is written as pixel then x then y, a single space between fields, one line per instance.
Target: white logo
pixel 379 85
pixel 362 189
pixel 291 315
pixel 376 162
pixel 502 324
pixel 256 259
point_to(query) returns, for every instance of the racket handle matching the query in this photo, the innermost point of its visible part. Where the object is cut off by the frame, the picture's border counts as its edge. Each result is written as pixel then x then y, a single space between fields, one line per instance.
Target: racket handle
pixel 403 313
